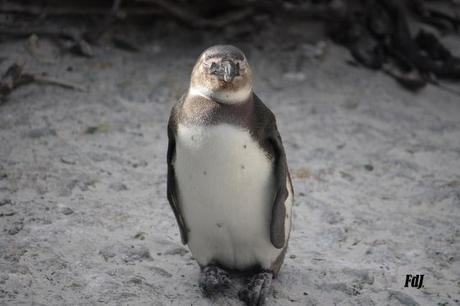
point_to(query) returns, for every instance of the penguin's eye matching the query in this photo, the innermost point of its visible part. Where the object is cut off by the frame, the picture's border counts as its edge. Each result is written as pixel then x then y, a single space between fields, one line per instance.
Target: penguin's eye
pixel 237 69
pixel 240 67
pixel 214 68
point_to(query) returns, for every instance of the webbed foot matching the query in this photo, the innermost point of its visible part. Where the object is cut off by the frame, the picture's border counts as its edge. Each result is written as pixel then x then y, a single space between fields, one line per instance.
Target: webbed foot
pixel 257 290
pixel 213 279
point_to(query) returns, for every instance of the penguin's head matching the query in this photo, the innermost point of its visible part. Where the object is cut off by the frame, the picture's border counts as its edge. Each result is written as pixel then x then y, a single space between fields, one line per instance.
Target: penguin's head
pixel 222 73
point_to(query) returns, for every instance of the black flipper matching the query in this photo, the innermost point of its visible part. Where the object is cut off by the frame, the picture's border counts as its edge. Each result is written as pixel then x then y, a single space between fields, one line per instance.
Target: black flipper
pixel 277 231
pixel 274 146
pixel 172 190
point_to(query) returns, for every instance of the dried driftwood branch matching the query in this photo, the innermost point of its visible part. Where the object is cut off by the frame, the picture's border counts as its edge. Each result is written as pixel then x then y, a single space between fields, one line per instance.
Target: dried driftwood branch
pixel 379 37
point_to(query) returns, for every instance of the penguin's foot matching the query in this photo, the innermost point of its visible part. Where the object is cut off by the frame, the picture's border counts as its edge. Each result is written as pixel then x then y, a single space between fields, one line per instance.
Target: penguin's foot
pixel 257 290
pixel 213 279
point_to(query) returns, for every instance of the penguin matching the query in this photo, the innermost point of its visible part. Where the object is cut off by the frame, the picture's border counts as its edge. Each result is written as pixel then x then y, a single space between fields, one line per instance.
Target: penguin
pixel 228 182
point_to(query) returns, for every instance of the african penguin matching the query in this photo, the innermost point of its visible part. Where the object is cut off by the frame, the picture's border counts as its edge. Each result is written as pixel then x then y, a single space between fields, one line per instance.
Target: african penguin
pixel 228 180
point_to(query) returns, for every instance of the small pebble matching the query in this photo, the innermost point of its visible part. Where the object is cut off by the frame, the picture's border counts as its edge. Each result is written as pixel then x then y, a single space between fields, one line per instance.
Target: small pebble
pixel 67 211
pixel 68 160
pixel 140 236
pixel 118 186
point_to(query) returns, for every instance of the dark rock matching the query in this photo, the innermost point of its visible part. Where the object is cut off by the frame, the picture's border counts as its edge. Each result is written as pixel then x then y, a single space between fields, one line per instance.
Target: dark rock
pixel 140 236
pixel 67 211
pixel 369 167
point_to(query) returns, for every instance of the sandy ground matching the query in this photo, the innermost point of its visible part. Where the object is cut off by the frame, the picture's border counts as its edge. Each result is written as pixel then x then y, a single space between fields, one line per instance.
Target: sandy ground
pixel 84 218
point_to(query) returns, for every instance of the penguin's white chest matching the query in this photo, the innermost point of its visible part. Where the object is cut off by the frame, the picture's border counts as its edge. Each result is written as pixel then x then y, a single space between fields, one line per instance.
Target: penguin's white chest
pixel 226 193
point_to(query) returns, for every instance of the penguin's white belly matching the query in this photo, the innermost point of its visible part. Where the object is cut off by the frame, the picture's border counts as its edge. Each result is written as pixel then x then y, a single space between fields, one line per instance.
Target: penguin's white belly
pixel 226 189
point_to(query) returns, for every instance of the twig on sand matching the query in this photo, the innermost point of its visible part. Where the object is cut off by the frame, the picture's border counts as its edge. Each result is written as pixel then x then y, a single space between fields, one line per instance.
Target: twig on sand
pixel 14 77
pixel 57 82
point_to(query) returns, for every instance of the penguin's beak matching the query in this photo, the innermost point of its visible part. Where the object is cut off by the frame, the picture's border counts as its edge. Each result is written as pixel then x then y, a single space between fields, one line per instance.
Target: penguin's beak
pixel 230 70
pixel 227 70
